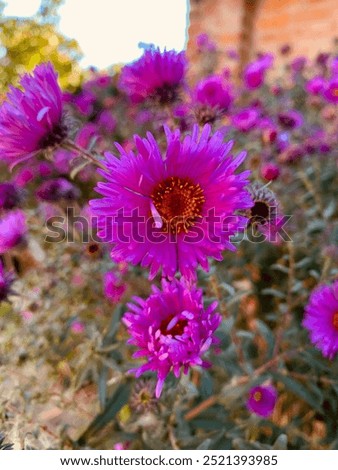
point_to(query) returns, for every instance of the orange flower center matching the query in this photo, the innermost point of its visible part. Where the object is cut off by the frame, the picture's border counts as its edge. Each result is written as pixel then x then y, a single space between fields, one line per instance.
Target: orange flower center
pixel 335 320
pixel 179 202
pixel 257 396
pixel 335 92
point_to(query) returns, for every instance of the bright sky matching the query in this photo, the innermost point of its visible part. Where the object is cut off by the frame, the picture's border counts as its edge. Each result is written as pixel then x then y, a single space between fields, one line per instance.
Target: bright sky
pixel 108 31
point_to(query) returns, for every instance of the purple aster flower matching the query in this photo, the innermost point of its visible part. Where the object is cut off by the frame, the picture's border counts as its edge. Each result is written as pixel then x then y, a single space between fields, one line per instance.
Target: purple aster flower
pixel 298 64
pixel 315 86
pixel 6 280
pixel 204 43
pixel 171 330
pixel 106 121
pixel 214 92
pixel 113 287
pixel 262 400
pixel 254 73
pixel 12 230
pixel 57 189
pixel 292 154
pixel 290 119
pixel 86 134
pixel 264 207
pixel 172 210
pixel 246 119
pixel 232 54
pixel 285 49
pixel 156 75
pixel 270 171
pixel 321 319
pixel 10 196
pixel 85 102
pixel 323 58
pixel 31 119
pixel 330 91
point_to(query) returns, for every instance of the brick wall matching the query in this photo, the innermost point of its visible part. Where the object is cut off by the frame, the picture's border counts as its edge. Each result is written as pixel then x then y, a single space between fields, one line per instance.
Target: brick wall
pixel 309 26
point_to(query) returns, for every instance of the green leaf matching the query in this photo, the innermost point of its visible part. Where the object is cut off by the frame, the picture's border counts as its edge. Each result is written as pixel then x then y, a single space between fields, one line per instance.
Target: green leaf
pixel 113 406
pixel 281 442
pixel 274 293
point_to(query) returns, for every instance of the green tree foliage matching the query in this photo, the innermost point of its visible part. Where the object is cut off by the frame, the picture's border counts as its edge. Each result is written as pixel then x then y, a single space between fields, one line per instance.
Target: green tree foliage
pixel 26 42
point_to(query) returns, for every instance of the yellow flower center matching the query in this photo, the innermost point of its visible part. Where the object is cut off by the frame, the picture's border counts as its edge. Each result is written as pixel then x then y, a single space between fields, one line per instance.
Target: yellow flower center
pixel 179 203
pixel 257 396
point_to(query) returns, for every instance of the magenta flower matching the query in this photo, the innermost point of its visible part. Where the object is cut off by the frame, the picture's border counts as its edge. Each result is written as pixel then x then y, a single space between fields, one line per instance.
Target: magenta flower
pixel 246 119
pixel 204 43
pixel 12 230
pixel 171 330
pixel 55 189
pixel 315 86
pixel 298 64
pixel 173 210
pixel 291 119
pixel 254 73
pixel 106 121
pixel 6 280
pixel 262 400
pixel 10 196
pixel 330 91
pixel 77 327
pixel 214 92
pixel 270 171
pixel 321 319
pixel 31 119
pixel 113 287
pixel 156 75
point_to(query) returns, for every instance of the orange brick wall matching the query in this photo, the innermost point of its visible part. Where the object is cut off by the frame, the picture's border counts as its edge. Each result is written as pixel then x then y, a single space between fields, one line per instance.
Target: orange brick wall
pixel 309 26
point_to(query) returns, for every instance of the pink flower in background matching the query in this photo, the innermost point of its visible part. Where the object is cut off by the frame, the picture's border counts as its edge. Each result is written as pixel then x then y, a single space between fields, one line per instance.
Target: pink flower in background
pixel 10 196
pixel 84 102
pixel 330 91
pixel 113 287
pixel 321 319
pixel 122 445
pixel 31 119
pixel 270 171
pixel 156 75
pixel 106 121
pixel 262 400
pixel 171 330
pixel 55 189
pixel 77 327
pixel 298 64
pixel 246 119
pixel 204 43
pixel 315 86
pixel 213 91
pixel 12 230
pixel 290 119
pixel 86 134
pixel 254 73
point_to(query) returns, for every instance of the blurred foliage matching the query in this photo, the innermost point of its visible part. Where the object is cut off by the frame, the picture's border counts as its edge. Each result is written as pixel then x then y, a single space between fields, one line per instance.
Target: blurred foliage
pixel 24 43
